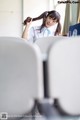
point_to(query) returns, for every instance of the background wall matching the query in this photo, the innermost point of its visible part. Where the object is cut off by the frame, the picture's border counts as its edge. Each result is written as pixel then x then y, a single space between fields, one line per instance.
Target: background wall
pixel 10 17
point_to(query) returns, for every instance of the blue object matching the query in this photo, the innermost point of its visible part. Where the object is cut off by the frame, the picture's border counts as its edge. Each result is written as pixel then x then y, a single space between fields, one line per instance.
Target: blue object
pixel 74 30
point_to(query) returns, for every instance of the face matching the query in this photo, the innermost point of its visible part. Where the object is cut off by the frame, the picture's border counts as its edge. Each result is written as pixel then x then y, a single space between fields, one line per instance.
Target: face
pixel 50 22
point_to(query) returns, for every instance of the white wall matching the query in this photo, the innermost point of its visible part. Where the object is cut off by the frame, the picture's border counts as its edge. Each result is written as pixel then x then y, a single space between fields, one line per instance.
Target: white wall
pixel 10 17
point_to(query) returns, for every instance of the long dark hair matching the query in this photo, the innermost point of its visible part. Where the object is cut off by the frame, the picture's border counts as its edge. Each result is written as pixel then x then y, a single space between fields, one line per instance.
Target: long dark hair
pixel 53 14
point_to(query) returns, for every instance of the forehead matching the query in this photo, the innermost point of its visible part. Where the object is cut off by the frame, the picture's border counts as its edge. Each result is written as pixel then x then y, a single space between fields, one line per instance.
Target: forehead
pixel 53 17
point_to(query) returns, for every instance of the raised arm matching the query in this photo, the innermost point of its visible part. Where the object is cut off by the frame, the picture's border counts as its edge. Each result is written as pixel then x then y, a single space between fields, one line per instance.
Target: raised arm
pixel 25 34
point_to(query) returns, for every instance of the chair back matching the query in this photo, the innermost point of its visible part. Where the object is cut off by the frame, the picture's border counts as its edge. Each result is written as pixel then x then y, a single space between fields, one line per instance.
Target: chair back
pixel 21 77
pixel 64 74
pixel 46 42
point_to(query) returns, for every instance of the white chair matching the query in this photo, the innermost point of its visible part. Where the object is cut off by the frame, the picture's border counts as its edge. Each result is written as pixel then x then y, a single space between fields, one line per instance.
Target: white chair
pixel 46 42
pixel 21 77
pixel 64 75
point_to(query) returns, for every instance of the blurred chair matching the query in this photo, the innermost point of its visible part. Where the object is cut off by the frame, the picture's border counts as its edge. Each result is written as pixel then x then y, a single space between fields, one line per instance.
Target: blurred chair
pixel 46 42
pixel 64 76
pixel 21 77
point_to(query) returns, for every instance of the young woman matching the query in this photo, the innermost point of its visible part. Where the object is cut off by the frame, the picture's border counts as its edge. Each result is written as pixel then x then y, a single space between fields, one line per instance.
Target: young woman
pixel 50 27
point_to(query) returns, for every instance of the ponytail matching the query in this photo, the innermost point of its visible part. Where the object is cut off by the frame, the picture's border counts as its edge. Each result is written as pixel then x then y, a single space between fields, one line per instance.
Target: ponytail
pixel 58 30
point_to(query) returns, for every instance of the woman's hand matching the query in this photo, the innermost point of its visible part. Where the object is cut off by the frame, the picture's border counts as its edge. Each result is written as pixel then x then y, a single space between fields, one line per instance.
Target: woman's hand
pixel 28 22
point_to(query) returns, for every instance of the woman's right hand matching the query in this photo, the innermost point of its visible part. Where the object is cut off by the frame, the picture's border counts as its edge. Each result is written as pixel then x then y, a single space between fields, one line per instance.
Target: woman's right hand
pixel 28 21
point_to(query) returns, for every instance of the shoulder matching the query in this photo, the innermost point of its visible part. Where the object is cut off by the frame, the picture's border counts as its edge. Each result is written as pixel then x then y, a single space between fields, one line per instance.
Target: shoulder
pixel 36 27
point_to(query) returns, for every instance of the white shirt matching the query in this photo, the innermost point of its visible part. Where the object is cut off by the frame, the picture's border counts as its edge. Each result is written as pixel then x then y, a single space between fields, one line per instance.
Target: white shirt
pixel 35 32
